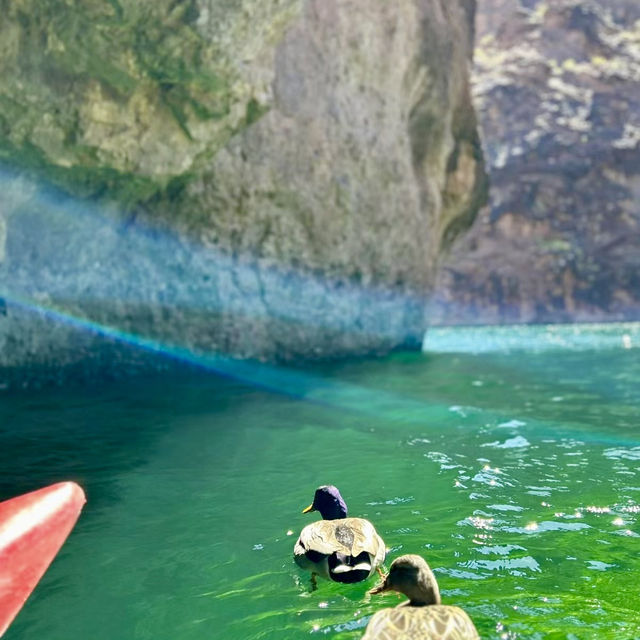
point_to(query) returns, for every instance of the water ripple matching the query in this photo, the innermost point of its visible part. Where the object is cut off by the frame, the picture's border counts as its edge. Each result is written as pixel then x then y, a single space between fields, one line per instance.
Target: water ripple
pixel 500 549
pixel 598 565
pixel 518 442
pixel 513 566
pixel 631 453
pixel 505 507
pixel 547 525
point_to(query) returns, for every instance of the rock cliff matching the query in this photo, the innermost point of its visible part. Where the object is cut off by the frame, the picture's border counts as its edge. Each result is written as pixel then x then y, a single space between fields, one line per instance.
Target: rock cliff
pixel 270 180
pixel 557 88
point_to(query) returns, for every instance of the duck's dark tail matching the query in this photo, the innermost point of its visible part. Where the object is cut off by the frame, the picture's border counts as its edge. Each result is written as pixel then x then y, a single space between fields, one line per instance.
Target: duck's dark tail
pixel 349 569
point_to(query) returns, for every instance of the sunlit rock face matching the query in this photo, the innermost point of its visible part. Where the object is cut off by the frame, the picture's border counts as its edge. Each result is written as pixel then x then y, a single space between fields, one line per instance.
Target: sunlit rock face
pixel 557 87
pixel 278 178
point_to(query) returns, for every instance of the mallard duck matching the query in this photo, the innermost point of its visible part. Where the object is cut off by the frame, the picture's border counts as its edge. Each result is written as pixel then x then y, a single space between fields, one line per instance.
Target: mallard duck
pixel 422 617
pixel 338 548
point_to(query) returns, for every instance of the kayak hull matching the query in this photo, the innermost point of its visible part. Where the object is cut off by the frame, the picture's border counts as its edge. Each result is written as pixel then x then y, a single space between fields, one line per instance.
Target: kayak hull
pixel 33 527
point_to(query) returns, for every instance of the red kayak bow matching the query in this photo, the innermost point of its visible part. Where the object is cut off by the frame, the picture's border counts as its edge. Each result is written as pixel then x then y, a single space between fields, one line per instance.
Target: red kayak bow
pixel 32 529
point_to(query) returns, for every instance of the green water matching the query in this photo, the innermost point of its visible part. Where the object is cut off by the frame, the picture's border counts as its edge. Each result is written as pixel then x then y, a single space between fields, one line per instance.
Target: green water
pixel 513 471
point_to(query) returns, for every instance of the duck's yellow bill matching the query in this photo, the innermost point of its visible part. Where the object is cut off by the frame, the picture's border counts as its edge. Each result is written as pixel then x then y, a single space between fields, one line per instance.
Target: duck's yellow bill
pixel 309 508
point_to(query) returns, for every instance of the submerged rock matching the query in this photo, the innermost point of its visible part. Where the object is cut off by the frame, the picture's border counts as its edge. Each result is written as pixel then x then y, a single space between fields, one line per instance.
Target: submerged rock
pixel 276 179
pixel 557 86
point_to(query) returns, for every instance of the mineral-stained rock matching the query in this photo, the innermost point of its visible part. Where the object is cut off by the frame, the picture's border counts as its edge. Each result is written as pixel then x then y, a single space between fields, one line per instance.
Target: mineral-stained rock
pixel 272 179
pixel 557 86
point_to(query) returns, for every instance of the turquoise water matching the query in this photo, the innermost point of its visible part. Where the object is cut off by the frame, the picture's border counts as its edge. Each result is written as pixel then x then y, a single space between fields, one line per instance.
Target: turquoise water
pixel 507 458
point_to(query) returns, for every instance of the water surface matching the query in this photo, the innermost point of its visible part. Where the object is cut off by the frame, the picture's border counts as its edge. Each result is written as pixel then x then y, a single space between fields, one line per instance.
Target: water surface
pixel 514 471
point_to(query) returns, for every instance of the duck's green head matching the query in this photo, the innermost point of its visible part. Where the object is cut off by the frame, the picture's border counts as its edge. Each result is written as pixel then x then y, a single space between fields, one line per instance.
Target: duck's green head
pixel 328 501
pixel 411 575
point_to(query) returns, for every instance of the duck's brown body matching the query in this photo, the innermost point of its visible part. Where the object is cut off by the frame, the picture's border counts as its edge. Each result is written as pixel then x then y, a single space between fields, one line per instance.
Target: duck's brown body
pixel 431 622
pixel 423 617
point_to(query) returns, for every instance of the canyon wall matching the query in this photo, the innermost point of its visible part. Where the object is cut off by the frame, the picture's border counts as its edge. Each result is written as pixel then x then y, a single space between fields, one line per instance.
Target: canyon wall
pixel 557 88
pixel 271 180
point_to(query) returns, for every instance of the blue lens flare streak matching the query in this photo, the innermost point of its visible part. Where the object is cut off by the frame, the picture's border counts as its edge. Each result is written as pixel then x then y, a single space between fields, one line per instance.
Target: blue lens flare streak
pixel 84 257
pixel 46 275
